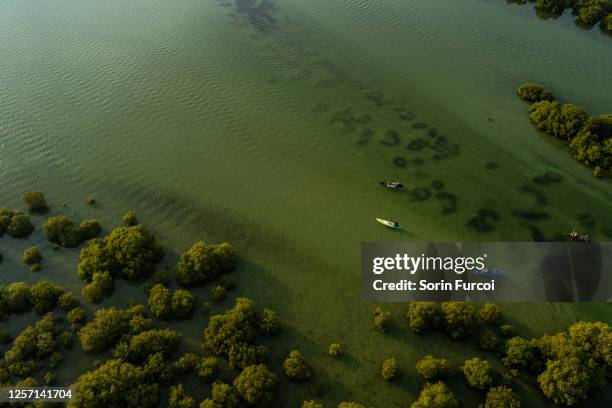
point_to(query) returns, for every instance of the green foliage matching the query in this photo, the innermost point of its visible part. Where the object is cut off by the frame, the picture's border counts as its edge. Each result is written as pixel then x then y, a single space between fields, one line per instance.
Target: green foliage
pixel 565 381
pixel 431 368
pixel 18 298
pixel 390 369
pixel 127 252
pixel 32 256
pixel 68 301
pixel 521 353
pixel 562 121
pixel 459 319
pixel 130 219
pixel 336 349
pixel 218 294
pixel 223 396
pixel 256 385
pixel 45 296
pixel 478 373
pixel 160 302
pixel 76 317
pixel 590 15
pixel 436 395
pixel 61 231
pixel 382 320
pixel 232 335
pixel 19 225
pixel 533 93
pixel 142 345
pixel 350 405
pixel 208 369
pixel 179 398
pixel 489 340
pixel 89 229
pixel 589 138
pixel 35 342
pixel 490 313
pixel 35 201
pixel 607 22
pixel 183 303
pixel 424 316
pixel 311 404
pixel 204 262
pixel 296 367
pixel 115 384
pixel 166 305
pixel 270 323
pixel 108 326
pixel 501 397
pixel 100 286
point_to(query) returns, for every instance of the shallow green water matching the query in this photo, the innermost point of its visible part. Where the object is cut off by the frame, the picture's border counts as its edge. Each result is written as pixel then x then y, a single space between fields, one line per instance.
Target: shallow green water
pixel 270 124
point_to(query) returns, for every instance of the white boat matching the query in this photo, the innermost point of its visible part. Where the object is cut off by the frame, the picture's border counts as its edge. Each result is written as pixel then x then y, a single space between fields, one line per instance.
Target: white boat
pixel 390 224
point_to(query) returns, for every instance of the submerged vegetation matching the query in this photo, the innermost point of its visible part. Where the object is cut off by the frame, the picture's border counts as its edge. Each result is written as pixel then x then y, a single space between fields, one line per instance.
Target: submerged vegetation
pixel 589 137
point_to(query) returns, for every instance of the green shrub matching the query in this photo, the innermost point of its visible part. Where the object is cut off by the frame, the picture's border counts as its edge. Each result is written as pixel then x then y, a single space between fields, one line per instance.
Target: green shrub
pixel 218 294
pixel 204 262
pixel 60 230
pixel 32 256
pixel 424 316
pixel 115 384
pixel 521 353
pixel 256 385
pixel 149 342
pixel 179 399
pixel 533 93
pixel 20 226
pixel 436 395
pixel 89 229
pixel 130 219
pixel 590 15
pixel 296 367
pixel 45 296
pixel 478 373
pixel 270 324
pixel 490 314
pixel 488 340
pixel 311 404
pixel 35 201
pixel 431 368
pixel 76 317
pixel 100 287
pixel 459 319
pixel 501 397
pixel 68 301
pixel 108 326
pixel 127 252
pixel 336 349
pixel 390 369
pixel 18 298
pixel 183 303
pixel 208 369
pixel 382 320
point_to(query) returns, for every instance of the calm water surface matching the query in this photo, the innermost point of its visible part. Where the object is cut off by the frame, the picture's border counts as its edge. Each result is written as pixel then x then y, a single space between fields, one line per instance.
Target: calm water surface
pixel 270 124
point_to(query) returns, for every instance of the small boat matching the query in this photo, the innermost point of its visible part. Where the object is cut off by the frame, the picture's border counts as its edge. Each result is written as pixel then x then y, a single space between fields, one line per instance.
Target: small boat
pixel 488 273
pixel 393 185
pixel 578 236
pixel 390 224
